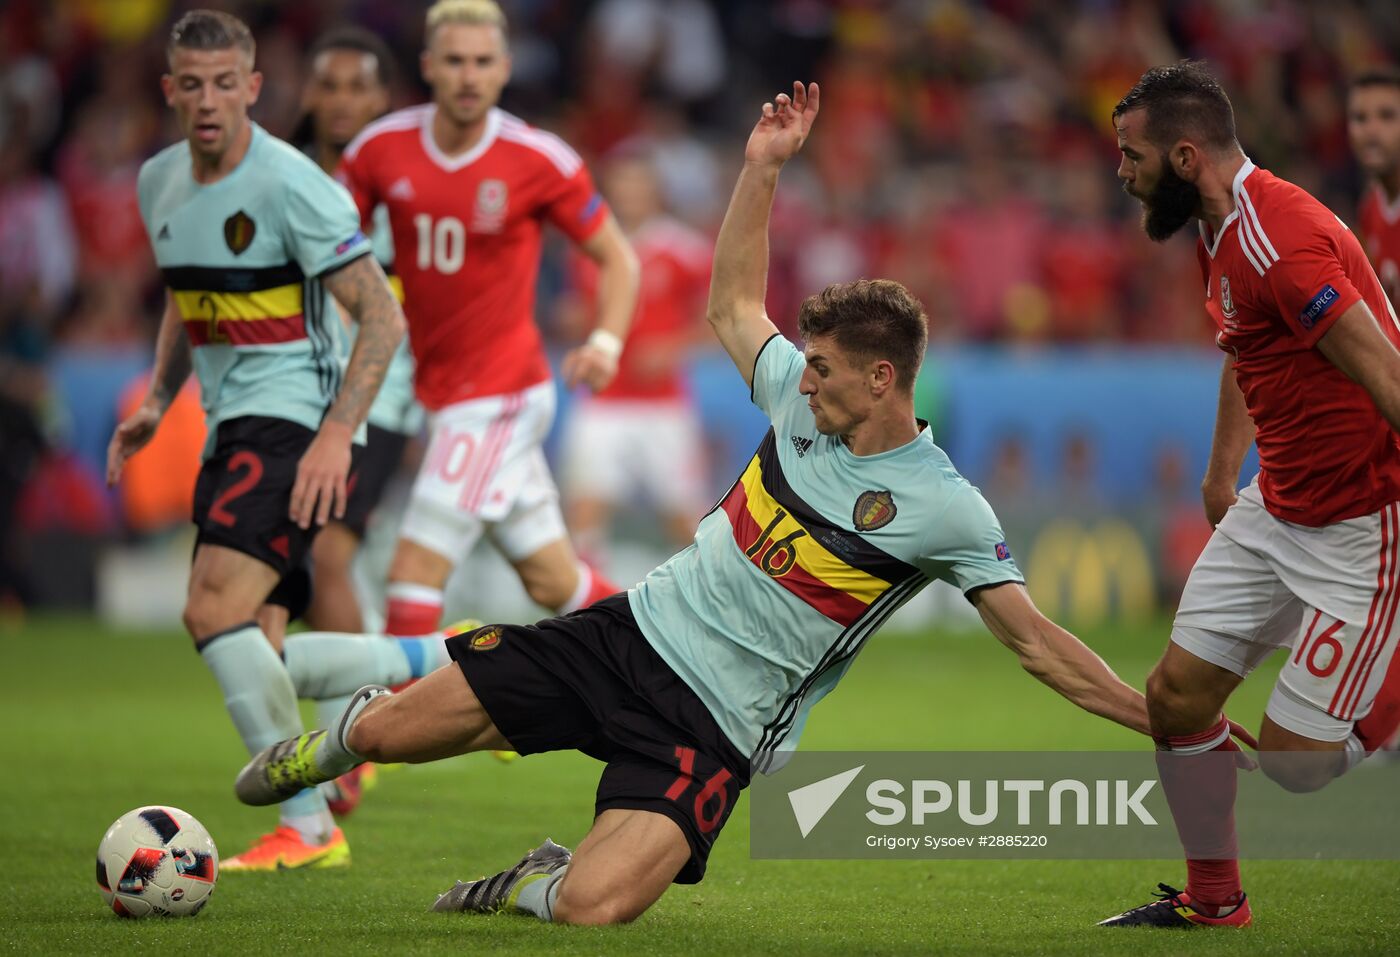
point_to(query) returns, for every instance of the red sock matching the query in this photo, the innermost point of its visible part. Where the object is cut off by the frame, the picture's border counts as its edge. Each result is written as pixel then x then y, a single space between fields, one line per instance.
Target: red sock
pixel 1380 724
pixel 413 609
pixel 1198 779
pixel 601 588
pixel 592 585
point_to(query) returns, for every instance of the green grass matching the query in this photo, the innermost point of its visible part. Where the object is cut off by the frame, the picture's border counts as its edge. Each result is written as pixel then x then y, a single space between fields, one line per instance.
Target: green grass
pixel 99 722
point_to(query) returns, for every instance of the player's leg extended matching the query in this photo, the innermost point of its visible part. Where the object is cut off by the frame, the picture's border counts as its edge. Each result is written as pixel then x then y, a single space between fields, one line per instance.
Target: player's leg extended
pixel 438 717
pixel 1336 698
pixel 227 589
pixel 1234 612
pixel 620 869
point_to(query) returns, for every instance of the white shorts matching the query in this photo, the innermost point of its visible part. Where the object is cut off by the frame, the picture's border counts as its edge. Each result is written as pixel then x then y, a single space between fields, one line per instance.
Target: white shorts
pixel 485 471
pixel 1328 595
pixel 628 451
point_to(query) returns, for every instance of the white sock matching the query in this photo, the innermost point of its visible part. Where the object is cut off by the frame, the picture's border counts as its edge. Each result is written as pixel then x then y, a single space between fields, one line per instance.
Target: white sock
pixel 333 755
pixel 538 896
pixel 1353 753
pixel 580 595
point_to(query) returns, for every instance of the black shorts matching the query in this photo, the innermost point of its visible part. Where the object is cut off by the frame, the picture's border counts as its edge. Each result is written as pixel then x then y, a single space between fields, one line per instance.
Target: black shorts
pixel 245 488
pixel 376 464
pixel 591 682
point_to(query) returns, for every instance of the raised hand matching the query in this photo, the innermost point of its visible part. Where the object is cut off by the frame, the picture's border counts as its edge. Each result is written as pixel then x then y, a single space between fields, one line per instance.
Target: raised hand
pixel 783 127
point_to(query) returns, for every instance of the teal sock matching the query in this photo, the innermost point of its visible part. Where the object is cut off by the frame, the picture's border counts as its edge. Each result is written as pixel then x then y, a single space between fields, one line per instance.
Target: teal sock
pixel 327 664
pixel 539 894
pixel 260 699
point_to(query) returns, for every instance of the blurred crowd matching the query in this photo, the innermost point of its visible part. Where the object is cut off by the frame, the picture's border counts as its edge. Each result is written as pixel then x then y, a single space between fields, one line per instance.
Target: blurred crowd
pixel 965 150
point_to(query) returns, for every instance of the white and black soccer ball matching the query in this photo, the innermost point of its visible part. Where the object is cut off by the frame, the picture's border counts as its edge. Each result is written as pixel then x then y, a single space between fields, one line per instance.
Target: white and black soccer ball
pixel 157 860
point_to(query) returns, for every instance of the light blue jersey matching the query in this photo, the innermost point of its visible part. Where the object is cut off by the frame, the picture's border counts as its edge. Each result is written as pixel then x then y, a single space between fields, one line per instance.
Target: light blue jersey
pixel 241 257
pixel 807 554
pixel 395 407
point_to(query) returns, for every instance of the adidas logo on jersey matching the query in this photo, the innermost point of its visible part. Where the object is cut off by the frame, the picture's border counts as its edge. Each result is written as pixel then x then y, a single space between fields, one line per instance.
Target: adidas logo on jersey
pixel 164 231
pixel 402 189
pixel 801 445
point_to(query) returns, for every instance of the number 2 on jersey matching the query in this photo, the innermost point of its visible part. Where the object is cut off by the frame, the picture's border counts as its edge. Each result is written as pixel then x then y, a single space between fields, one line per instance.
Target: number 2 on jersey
pixel 442 244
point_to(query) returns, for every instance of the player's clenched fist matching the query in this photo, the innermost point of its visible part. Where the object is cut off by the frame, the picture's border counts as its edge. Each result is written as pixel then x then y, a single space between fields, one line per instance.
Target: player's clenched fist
pixel 320 490
pixel 784 126
pixel 130 437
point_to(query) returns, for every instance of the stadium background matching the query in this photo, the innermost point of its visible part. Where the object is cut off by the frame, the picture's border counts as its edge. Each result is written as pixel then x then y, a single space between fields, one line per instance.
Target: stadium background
pixel 964 150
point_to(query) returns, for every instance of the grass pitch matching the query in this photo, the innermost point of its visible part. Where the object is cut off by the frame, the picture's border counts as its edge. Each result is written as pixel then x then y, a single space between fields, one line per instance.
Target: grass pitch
pixel 99 722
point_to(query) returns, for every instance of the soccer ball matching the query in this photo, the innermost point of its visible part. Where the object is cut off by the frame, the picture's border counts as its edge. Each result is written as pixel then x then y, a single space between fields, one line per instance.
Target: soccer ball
pixel 157 860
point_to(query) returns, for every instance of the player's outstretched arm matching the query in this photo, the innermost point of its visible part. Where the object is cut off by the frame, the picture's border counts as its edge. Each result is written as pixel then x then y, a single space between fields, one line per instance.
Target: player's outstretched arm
pixel 1057 658
pixel 320 488
pixel 739 280
pixel 1234 431
pixel 1356 345
pixel 172 368
pixel 619 275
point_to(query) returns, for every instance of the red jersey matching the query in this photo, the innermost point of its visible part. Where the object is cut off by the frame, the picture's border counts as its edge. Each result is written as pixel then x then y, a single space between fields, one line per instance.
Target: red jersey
pixel 1380 232
pixel 467 231
pixel 675 261
pixel 1279 273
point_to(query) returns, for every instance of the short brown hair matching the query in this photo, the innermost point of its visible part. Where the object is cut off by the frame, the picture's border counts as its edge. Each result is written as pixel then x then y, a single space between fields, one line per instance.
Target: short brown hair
pixel 209 30
pixel 870 319
pixel 1182 100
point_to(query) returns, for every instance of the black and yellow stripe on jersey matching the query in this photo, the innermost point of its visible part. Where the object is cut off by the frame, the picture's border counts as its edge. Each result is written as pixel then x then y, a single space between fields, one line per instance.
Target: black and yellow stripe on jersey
pixel 240 307
pixel 835 571
pixel 256 306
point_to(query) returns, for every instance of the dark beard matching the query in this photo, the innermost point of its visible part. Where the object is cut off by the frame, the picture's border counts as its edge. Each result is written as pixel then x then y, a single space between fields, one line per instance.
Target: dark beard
pixel 1171 204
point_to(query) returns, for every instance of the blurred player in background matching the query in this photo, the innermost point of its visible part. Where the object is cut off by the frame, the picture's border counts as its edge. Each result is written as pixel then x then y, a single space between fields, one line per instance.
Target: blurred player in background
pixel 350 76
pixel 1373 125
pixel 638 444
pixel 350 73
pixel 1305 558
pixel 469 189
pixel 252 240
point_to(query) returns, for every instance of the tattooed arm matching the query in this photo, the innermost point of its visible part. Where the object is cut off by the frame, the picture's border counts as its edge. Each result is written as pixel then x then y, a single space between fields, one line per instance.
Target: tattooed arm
pixel 363 290
pixel 172 368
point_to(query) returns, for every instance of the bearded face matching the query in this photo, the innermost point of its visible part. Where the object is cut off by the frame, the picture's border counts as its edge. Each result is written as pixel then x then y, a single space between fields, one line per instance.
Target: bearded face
pixel 1169 204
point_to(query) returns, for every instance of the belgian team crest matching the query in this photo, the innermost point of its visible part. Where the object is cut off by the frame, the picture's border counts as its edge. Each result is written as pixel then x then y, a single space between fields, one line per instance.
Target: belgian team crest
pixel 486 639
pixel 239 230
pixel 873 510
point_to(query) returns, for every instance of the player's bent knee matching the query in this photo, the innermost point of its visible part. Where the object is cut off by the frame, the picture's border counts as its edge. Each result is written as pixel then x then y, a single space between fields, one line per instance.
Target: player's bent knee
pixel 549 593
pixel 1300 772
pixel 205 615
pixel 1166 697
